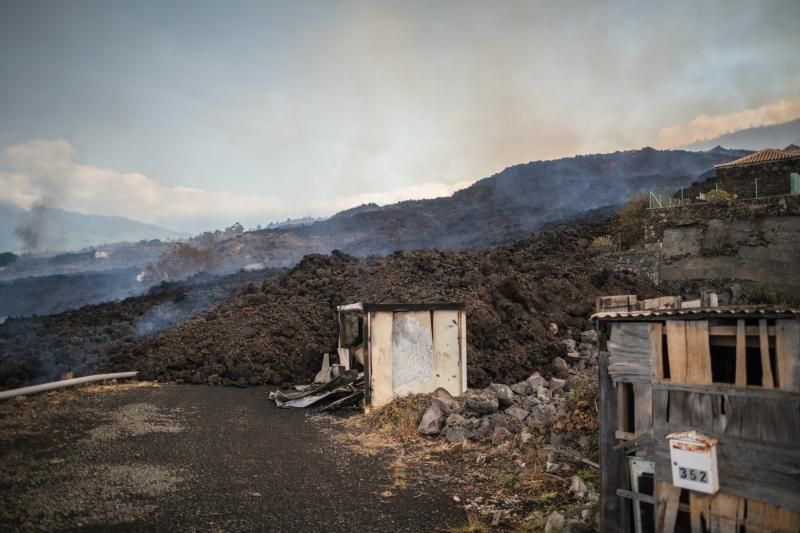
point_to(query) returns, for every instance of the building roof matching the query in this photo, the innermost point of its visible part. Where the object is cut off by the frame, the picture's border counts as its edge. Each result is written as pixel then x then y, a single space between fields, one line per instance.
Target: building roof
pixel 398 307
pixel 728 311
pixel 767 155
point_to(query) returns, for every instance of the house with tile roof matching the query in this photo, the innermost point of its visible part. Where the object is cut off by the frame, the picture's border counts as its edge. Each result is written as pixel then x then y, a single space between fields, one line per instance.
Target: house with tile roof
pixel 769 172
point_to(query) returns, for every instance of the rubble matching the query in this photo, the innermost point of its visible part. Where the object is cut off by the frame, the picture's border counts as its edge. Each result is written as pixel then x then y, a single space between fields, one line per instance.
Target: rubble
pixel 499 412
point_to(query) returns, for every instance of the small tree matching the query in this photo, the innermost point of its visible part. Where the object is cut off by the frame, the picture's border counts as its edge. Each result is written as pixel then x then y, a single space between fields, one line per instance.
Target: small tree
pixel 720 197
pixel 6 258
pixel 630 221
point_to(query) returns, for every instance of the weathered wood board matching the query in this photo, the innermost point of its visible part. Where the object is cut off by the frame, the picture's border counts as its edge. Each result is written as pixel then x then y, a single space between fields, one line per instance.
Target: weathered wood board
pixel 757 454
pixel 631 358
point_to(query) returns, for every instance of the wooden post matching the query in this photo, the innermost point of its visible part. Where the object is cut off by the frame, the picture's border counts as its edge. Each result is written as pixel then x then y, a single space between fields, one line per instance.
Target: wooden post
pixel 766 368
pixel 741 354
pixel 609 457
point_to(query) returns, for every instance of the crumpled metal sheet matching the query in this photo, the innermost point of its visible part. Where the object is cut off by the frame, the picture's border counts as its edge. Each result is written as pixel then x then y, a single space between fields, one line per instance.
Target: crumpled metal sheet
pixel 343 385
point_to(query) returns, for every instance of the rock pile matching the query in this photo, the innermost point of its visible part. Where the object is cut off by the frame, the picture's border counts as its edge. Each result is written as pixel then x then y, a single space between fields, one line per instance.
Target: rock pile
pixel 499 412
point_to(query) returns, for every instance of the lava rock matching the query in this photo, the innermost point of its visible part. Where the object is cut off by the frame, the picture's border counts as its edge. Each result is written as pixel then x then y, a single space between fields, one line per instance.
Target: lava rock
pixel 503 393
pixel 484 404
pixel 560 365
pixel 535 381
pixel 456 435
pixel 523 388
pixel 517 412
pixel 589 336
pixel 557 384
pixel 432 420
pixel 555 523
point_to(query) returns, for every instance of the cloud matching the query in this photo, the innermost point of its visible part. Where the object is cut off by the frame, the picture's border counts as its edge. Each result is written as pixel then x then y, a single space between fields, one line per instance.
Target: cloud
pixel 704 127
pixel 48 173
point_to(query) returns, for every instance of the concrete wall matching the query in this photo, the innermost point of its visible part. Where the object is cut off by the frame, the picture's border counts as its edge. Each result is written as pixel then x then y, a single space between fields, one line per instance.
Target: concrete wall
pixel 750 240
pixel 765 250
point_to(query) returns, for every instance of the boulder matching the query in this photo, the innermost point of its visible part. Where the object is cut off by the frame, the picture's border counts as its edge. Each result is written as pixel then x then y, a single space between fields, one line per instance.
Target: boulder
pixel 557 384
pixel 447 405
pixel 553 327
pixel 589 336
pixel 555 523
pixel 530 403
pixel 523 388
pixel 560 365
pixel 569 344
pixel 500 435
pixel 541 415
pixel 432 420
pixel 544 394
pixel 504 394
pixel 482 403
pixel 517 412
pixel 456 435
pixel 535 381
pixel 455 420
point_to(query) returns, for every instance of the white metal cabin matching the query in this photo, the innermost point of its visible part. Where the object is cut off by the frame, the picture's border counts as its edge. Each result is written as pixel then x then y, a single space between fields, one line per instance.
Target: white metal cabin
pixel 405 348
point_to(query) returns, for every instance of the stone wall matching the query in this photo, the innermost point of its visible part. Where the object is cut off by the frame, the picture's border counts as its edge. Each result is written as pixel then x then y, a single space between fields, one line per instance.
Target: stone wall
pixel 773 178
pixel 657 220
pixel 638 262
pixel 750 240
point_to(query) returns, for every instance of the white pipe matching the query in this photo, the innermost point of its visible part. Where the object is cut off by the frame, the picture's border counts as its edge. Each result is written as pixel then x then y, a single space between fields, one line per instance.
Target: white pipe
pixel 4 395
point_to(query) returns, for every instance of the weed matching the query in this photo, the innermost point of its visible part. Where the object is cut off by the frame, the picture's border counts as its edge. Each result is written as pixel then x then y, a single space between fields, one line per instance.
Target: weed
pixel 474 525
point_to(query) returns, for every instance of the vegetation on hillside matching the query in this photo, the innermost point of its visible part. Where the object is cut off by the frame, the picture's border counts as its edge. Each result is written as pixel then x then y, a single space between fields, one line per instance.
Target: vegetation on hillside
pixel 630 221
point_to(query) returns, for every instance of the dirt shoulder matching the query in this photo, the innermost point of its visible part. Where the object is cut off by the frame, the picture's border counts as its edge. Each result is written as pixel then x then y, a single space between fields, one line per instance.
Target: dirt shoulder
pixel 144 457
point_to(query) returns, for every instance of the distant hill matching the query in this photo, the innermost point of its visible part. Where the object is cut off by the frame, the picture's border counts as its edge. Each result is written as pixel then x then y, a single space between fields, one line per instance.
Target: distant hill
pixel 494 210
pixel 46 229
pixel 777 136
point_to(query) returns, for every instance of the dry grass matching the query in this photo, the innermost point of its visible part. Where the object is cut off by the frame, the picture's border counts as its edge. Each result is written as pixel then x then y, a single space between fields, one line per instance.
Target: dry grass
pixel 399 417
pixel 475 524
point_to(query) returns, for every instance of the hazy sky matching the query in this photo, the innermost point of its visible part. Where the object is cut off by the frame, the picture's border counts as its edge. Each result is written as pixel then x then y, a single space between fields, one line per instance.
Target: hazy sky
pixel 195 114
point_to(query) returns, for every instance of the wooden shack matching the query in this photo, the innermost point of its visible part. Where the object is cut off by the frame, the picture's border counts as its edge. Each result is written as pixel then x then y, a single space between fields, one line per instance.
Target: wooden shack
pixel 730 374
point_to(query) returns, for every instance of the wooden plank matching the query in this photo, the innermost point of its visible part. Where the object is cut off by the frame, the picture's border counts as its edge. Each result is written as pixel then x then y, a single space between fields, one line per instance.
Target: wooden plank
pixel 698 510
pixel 750 392
pixel 766 368
pixel 609 458
pixel 741 354
pixel 726 513
pixel 667 512
pixel 631 356
pixel 747 468
pixel 698 368
pixel 732 331
pixel 765 517
pixel 643 408
pixel 656 347
pixel 676 349
pixel 787 353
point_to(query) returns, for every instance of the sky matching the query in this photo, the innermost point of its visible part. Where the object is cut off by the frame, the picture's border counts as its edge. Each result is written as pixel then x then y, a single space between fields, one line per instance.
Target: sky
pixel 195 114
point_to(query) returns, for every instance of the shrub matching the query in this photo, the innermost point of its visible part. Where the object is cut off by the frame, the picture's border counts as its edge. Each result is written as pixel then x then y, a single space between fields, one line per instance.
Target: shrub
pixel 630 221
pixel 720 197
pixel 6 258
pixel 602 244
pixel 758 294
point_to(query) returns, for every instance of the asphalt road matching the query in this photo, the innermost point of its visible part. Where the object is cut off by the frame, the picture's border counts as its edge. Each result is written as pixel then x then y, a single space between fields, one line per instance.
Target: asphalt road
pixel 194 458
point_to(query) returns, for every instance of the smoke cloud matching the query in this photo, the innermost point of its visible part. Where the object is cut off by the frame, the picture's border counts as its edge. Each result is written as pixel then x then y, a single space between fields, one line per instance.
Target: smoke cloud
pixel 705 126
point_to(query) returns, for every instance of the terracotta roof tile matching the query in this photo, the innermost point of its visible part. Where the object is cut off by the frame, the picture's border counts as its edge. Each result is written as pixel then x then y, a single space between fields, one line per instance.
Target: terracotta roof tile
pixel 764 156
